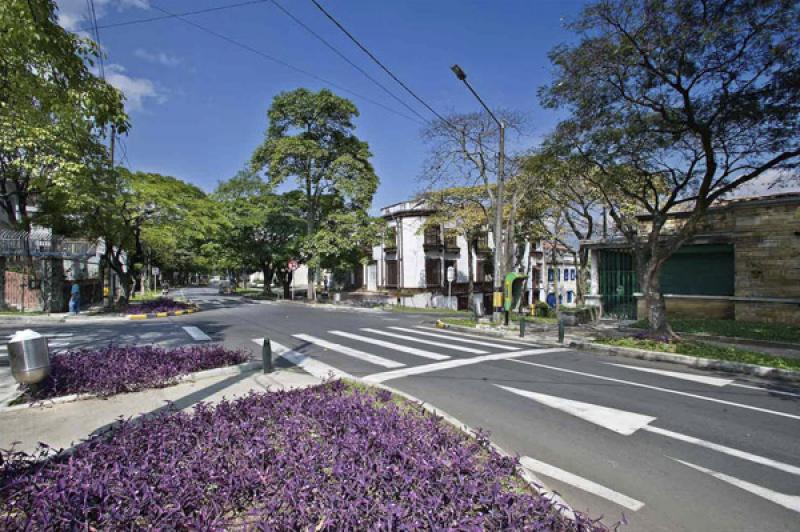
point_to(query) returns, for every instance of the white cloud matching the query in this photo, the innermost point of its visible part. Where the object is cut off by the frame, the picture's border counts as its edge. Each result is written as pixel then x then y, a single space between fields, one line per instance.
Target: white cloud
pixel 160 58
pixel 74 14
pixel 137 91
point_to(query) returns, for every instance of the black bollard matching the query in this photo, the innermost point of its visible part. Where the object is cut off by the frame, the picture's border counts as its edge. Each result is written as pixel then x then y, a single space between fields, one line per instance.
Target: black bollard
pixel 522 326
pixel 561 330
pixel 266 356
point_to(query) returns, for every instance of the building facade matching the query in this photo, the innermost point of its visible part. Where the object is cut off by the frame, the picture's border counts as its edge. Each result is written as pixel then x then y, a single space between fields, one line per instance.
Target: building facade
pixel 743 264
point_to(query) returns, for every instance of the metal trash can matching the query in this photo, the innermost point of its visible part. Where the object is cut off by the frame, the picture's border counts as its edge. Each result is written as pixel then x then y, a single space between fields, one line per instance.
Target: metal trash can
pixel 29 357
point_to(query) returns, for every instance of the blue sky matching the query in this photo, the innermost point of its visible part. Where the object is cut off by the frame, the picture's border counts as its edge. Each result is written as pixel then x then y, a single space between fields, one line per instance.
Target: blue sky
pixel 198 104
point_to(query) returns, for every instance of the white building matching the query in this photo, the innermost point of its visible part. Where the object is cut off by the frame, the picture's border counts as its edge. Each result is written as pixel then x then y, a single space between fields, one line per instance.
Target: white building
pixel 410 266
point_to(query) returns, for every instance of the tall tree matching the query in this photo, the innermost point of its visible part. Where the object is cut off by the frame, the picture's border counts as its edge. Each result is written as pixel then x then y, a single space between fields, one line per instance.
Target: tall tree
pixel 263 230
pixel 464 210
pixel 311 139
pixel 678 103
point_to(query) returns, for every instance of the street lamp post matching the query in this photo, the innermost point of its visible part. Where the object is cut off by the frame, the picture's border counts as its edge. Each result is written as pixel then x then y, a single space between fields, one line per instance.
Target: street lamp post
pixel 497 278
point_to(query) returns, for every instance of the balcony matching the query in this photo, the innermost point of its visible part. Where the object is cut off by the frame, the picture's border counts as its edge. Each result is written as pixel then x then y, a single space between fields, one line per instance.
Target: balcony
pixel 482 244
pixel 451 242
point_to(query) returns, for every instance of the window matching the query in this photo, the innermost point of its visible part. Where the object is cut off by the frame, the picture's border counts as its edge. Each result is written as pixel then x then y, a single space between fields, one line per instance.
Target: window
pixel 482 242
pixel 549 274
pixel 569 295
pixel 450 239
pixel 433 272
pixel 572 274
pixel 391 273
pixel 433 236
pixel 560 299
pixel 480 276
pixel 390 241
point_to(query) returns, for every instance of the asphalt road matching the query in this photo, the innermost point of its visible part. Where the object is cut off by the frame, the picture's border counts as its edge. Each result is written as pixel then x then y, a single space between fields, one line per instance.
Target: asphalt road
pixel 668 447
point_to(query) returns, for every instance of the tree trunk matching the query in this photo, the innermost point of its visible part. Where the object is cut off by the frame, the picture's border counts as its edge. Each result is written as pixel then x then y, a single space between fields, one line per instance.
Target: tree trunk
pixel 266 271
pixel 287 285
pixel 52 275
pixel 3 262
pixel 650 284
pixel 582 260
pixel 470 282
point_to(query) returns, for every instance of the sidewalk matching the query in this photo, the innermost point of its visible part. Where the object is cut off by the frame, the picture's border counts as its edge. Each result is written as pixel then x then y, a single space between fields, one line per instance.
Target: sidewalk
pixel 64 424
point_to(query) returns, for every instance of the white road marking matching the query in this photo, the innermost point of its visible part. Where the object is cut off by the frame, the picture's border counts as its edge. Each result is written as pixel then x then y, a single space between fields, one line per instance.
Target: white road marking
pixel 788 468
pixel 390 345
pixel 197 334
pixel 355 353
pixel 627 423
pixel 762 389
pixel 423 341
pixel 666 390
pixel 712 381
pixel 792 502
pixel 455 363
pixel 459 333
pixel 619 421
pixel 581 483
pixel 454 338
pixel 314 367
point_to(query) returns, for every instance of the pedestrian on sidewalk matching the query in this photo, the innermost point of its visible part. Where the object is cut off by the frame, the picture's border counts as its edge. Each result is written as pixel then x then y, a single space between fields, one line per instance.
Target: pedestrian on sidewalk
pixel 75 299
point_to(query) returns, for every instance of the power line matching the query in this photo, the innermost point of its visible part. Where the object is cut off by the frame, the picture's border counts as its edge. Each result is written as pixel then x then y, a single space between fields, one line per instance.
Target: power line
pixel 280 61
pixel 345 58
pixel 185 13
pixel 93 17
pixel 384 67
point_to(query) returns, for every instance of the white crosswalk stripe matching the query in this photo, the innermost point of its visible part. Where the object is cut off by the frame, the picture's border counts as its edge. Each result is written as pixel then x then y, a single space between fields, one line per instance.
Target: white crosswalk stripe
pixel 423 341
pixel 389 345
pixel 355 353
pixel 456 338
pixel 468 335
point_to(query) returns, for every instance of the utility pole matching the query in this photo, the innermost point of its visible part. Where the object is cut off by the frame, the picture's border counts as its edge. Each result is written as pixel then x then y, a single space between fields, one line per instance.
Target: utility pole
pixel 497 278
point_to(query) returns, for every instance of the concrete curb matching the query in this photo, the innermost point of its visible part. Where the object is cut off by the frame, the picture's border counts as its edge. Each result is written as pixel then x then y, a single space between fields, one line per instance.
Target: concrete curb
pixel 695 362
pixel 197 375
pixel 740 340
pixel 323 371
pixel 153 315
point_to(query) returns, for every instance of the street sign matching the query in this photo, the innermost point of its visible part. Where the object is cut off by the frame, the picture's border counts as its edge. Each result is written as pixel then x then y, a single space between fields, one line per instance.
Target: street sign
pixel 156 271
pixel 451 274
pixel 292 265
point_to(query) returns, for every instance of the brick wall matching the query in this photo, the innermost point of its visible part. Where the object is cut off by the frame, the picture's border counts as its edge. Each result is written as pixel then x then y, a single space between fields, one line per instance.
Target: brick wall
pixel 15 292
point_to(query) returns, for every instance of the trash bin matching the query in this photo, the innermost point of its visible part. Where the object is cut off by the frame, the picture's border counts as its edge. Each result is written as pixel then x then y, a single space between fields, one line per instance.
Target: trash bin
pixel 29 357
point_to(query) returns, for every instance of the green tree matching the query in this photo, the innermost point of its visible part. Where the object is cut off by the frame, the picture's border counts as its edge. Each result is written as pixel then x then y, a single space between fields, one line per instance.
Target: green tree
pixel 262 230
pixel 677 103
pixel 310 139
pixel 464 210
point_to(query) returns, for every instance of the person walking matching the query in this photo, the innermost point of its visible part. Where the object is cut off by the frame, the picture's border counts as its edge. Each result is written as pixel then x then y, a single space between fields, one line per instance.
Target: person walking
pixel 75 299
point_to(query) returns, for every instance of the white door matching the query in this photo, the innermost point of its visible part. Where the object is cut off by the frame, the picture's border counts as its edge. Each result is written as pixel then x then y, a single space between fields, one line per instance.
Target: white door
pixel 372 277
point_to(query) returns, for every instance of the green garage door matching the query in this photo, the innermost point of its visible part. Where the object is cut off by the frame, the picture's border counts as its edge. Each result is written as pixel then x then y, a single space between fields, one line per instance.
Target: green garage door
pixel 617 276
pixel 699 270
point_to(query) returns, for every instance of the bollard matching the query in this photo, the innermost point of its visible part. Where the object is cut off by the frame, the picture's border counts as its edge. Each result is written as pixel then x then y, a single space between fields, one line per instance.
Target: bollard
pixel 266 356
pixel 522 326
pixel 561 330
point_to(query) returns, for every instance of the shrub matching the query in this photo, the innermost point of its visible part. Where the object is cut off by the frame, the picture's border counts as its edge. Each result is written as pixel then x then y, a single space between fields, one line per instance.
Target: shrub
pixel 543 310
pixel 118 369
pixel 160 304
pixel 322 458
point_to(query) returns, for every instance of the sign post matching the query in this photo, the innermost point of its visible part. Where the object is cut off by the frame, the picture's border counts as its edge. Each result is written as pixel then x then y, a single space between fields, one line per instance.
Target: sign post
pixel 292 266
pixel 451 275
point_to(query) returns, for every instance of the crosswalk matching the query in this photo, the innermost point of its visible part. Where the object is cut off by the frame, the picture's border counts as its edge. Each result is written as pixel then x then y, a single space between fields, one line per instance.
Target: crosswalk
pixel 55 341
pixel 371 351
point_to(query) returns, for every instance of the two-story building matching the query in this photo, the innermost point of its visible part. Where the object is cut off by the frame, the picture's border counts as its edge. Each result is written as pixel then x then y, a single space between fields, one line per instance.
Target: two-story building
pixel 410 265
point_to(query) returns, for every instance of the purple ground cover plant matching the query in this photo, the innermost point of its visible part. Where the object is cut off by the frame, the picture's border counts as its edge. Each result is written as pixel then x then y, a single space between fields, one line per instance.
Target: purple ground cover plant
pixel 118 369
pixel 160 304
pixel 323 458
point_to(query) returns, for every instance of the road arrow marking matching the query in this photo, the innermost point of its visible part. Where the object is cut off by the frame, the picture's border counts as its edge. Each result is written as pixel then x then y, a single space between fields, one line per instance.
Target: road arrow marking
pixel 792 502
pixel 428 342
pixel 619 421
pixel 666 390
pixel 581 483
pixel 197 334
pixel 627 423
pixel 390 345
pixel 712 381
pixel 355 353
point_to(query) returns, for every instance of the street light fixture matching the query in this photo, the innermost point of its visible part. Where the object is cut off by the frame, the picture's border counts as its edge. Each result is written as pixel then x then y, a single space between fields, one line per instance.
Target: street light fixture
pixel 497 278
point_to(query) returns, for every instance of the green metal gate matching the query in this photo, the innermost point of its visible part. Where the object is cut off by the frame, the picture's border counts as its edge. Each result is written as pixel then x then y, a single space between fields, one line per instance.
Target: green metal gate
pixel 617 284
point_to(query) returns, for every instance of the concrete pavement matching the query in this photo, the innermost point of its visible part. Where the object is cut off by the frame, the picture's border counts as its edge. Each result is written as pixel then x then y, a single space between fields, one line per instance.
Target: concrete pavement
pixel 671 448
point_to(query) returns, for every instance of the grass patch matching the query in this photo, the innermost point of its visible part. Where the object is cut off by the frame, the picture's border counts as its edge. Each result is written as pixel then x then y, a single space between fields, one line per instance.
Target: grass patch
pixel 255 293
pixel 702 350
pixel 754 330
pixel 463 322
pixel 417 310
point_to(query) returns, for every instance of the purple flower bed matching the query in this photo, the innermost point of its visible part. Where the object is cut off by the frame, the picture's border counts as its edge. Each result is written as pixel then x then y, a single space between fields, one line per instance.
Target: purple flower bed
pixel 160 304
pixel 323 458
pixel 118 369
